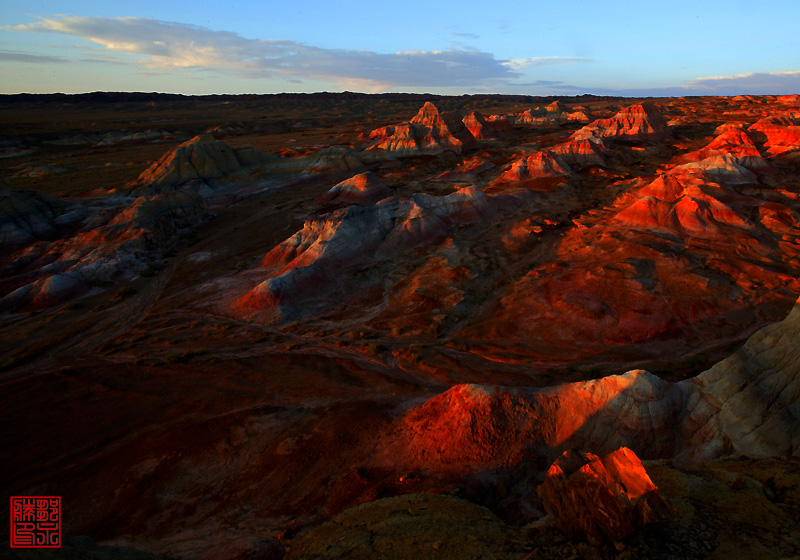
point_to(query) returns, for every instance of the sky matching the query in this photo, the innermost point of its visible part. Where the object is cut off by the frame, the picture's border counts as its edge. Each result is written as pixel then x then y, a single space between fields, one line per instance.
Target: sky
pixel 616 47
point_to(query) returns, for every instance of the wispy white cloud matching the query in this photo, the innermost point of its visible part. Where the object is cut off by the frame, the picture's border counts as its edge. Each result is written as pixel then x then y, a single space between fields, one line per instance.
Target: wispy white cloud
pixel 521 63
pixel 466 35
pixel 782 82
pixel 753 83
pixel 164 46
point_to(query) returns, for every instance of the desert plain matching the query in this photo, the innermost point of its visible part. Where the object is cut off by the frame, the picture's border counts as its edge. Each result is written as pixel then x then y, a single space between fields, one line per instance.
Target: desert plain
pixel 363 326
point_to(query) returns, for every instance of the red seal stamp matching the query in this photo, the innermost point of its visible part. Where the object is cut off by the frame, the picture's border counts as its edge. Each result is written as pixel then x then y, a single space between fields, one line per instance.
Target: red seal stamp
pixel 35 522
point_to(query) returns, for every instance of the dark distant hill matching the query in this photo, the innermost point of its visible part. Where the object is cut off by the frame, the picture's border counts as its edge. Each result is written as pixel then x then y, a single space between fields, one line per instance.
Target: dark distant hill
pixel 99 97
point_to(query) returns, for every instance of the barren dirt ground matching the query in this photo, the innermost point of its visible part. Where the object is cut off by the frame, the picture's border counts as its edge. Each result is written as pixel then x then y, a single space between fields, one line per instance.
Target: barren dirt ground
pixel 169 424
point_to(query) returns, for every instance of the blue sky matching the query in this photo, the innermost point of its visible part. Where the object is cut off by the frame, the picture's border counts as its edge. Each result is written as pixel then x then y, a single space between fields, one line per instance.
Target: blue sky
pixel 529 47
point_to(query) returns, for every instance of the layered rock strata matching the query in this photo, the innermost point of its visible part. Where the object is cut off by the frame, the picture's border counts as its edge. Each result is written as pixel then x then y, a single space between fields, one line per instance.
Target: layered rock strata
pixel 429 132
pixel 306 262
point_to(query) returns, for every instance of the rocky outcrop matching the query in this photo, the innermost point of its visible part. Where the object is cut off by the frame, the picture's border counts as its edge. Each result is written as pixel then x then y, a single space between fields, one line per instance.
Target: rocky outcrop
pixel 689 199
pixel 27 216
pixel 362 189
pixel 733 142
pixel 114 245
pixel 438 132
pixel 483 129
pixel 723 169
pixel 113 138
pixel 151 222
pixel 200 159
pixel 429 132
pixel 500 125
pixel 522 232
pixel 539 165
pixel 581 152
pixel 538 118
pixel 467 171
pixel 333 159
pixel 578 116
pixel 747 404
pixel 205 164
pixel 640 122
pixel 477 426
pixel 780 135
pixel 336 241
pixel 602 498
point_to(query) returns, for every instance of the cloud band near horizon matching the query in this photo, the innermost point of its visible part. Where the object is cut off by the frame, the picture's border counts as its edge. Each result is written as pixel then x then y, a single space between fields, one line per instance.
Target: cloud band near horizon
pixel 166 46
pixel 157 46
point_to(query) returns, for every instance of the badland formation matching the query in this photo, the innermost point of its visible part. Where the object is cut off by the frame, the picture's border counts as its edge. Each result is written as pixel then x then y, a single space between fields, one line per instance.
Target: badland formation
pixel 354 326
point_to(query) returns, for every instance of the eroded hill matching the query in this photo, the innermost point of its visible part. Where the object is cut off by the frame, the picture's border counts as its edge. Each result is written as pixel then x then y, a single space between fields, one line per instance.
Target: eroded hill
pixel 240 318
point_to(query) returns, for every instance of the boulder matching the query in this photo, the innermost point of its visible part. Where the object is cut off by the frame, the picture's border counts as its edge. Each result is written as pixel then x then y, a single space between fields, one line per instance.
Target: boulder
pixel 602 498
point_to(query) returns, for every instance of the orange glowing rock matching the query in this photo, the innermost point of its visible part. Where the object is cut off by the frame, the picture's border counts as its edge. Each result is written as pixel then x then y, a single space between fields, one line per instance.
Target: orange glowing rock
pixel 468 170
pixel 429 132
pixel 540 164
pixel 598 498
pixel 522 233
pixel 642 121
pixel 720 169
pixel 578 116
pixel 483 129
pixel 582 152
pixel 732 142
pixel 779 134
pixel 362 189
pixel 548 116
pixel 471 427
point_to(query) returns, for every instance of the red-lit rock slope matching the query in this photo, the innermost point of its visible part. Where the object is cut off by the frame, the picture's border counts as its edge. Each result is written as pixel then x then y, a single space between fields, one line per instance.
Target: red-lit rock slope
pixel 211 344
